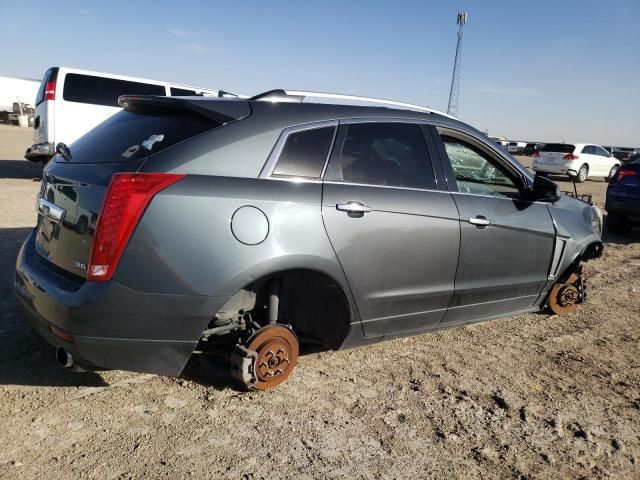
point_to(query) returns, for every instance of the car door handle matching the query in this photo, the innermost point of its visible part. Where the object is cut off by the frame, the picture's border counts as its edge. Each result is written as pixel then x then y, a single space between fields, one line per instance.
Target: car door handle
pixel 353 207
pixel 479 221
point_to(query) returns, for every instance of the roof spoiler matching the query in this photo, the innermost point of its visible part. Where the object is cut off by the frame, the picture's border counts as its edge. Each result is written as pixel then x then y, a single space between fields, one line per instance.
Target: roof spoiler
pixel 219 110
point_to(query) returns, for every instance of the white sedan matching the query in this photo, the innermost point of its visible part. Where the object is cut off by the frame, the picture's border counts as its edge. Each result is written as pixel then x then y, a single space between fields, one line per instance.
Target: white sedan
pixel 585 159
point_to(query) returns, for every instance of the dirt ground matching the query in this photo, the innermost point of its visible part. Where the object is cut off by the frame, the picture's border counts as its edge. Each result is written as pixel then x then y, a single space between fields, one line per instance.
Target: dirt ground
pixel 533 396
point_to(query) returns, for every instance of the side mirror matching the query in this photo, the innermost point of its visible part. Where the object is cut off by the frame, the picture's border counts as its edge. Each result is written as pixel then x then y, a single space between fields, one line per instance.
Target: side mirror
pixel 544 190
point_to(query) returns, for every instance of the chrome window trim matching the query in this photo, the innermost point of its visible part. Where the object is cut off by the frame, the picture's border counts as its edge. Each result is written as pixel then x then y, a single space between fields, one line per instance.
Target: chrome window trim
pixel 390 187
pixel 272 159
pixel 352 120
pixel 500 197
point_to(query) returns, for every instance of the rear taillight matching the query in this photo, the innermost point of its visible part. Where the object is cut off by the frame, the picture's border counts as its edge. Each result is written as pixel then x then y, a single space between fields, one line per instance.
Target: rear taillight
pixel 127 197
pixel 50 91
pixel 570 156
pixel 536 154
pixel 625 172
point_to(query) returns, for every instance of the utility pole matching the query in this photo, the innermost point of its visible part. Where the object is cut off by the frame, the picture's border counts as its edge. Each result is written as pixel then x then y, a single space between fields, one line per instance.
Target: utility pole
pixel 452 109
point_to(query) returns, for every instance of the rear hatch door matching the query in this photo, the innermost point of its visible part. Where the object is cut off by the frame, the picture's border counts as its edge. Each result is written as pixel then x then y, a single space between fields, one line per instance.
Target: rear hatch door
pixel 43 118
pixel 555 152
pixel 73 189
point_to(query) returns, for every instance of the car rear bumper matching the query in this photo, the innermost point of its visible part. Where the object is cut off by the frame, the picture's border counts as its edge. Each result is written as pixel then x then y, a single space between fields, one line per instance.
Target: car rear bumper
pixel 112 326
pixel 557 168
pixel 39 152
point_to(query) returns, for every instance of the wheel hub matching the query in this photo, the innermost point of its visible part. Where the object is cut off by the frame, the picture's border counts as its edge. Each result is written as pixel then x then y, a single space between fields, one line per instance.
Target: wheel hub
pixel 277 351
pixel 565 297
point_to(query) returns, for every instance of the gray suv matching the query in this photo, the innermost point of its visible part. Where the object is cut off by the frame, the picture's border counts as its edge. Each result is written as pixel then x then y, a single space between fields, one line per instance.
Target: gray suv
pixel 241 229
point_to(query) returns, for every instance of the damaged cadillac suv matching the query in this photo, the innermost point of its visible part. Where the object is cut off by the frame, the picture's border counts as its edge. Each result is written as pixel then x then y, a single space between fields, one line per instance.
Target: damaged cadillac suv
pixel 243 228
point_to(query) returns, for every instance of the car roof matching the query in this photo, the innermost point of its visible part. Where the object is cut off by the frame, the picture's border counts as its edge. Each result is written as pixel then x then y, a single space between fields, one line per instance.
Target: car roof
pixel 284 114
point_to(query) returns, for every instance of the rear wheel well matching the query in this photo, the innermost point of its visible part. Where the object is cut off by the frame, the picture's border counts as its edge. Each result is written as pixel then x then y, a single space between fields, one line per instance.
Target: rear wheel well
pixel 311 302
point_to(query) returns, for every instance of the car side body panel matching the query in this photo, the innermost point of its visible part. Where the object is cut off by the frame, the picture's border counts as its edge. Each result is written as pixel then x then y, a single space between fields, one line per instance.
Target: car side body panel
pixel 388 254
pixel 185 242
pixel 504 266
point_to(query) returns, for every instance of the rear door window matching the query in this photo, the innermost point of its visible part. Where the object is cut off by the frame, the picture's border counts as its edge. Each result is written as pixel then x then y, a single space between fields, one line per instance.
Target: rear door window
pixel 587 149
pixel 104 91
pixel 558 147
pixel 384 154
pixel 130 136
pixel 305 153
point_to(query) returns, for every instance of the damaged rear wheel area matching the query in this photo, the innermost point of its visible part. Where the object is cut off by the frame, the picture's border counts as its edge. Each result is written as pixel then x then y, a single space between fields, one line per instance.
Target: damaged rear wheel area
pixel 268 358
pixel 256 337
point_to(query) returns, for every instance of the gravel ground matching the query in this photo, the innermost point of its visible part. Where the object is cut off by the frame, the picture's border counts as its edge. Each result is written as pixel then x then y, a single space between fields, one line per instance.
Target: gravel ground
pixel 533 396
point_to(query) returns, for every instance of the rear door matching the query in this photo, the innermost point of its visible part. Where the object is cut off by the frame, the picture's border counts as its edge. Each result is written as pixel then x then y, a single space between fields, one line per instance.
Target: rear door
pixel 506 241
pixel 587 155
pixel 395 234
pixel 605 158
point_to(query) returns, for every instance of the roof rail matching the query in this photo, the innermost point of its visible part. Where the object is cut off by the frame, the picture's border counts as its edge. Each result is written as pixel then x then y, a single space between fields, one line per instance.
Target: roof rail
pixel 298 96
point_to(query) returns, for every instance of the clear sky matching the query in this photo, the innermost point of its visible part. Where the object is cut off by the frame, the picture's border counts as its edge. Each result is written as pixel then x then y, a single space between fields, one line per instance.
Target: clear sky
pixel 542 70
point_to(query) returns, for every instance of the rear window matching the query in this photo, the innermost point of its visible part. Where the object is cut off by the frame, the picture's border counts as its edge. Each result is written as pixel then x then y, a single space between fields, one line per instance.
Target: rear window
pixel 130 136
pixel 104 91
pixel 305 153
pixel 558 147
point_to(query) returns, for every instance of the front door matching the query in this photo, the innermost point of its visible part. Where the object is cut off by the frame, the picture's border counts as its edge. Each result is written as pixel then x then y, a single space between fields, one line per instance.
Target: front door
pixel 506 242
pixel 395 235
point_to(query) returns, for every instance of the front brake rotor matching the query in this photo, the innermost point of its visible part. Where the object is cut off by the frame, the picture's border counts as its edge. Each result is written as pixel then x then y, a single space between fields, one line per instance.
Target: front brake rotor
pixel 277 349
pixel 564 297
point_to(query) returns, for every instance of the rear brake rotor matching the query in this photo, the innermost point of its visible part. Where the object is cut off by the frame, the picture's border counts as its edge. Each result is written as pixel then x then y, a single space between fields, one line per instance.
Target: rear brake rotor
pixel 277 351
pixel 564 297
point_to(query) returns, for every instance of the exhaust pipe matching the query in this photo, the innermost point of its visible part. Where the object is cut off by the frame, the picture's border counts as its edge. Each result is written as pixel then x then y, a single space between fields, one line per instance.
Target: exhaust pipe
pixel 64 358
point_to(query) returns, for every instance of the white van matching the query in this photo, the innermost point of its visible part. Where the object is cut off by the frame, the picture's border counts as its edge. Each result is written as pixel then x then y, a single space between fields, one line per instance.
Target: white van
pixel 516 147
pixel 70 102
